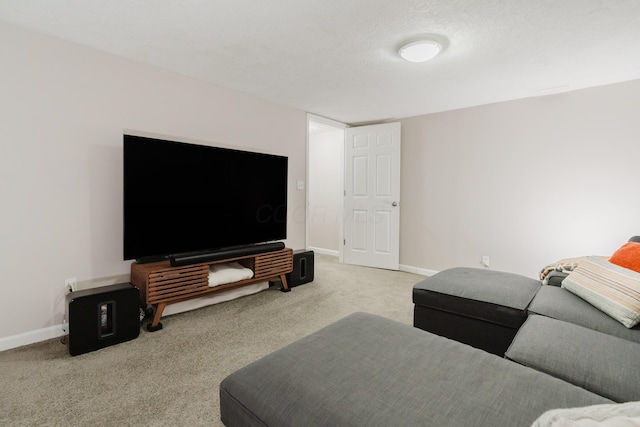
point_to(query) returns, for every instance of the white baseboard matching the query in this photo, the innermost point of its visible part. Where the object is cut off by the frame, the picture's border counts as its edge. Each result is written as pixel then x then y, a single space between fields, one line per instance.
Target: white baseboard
pixel 30 337
pixel 416 270
pixel 405 268
pixel 324 251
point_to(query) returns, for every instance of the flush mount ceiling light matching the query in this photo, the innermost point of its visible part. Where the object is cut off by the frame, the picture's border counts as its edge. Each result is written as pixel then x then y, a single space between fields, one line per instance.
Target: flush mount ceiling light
pixel 420 51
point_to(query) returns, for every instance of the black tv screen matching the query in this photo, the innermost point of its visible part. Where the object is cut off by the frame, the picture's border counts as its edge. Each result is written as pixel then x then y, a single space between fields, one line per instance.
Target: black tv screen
pixel 184 198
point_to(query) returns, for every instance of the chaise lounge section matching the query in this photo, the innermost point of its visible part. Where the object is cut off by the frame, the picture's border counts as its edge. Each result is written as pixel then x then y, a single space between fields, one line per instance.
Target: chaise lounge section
pixel 365 370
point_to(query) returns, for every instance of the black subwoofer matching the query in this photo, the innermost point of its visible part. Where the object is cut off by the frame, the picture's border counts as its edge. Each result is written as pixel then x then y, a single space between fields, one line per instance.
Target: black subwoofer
pixel 102 317
pixel 302 268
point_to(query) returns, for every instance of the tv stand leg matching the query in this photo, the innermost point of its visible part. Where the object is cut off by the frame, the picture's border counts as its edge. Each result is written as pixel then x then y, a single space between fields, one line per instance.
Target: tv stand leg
pixel 155 324
pixel 285 287
pixel 152 328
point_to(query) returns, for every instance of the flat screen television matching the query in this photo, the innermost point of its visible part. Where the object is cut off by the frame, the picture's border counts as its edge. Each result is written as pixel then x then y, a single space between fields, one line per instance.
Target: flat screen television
pixel 182 198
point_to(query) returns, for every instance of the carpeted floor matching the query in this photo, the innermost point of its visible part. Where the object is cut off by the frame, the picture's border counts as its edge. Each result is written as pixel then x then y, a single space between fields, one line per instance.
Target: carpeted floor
pixel 171 377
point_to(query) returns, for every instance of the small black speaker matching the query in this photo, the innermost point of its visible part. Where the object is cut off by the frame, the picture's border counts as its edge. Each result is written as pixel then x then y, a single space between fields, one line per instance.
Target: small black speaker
pixel 101 317
pixel 302 268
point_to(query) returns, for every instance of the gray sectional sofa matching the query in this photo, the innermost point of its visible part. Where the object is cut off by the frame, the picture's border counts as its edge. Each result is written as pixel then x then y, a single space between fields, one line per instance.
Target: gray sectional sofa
pixel 555 356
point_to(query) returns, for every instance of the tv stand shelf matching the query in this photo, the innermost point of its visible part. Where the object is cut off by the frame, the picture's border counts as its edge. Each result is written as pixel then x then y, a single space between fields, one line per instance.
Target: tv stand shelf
pixel 161 284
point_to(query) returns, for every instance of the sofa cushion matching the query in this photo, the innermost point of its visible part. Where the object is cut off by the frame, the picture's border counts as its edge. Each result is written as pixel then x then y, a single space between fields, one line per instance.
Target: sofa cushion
pixel 494 296
pixel 609 287
pixel 367 370
pixel 561 304
pixel 601 363
pixel 628 256
pixel 555 278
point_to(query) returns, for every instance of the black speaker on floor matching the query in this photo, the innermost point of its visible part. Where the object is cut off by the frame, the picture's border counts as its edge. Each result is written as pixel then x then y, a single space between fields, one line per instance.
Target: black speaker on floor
pixel 101 317
pixel 302 268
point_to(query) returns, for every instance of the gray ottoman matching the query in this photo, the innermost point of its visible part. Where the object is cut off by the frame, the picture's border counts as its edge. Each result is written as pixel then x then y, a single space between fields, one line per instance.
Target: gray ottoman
pixel 482 308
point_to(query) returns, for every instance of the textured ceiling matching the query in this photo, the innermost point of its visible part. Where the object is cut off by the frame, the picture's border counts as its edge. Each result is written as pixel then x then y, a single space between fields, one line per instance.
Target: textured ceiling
pixel 337 58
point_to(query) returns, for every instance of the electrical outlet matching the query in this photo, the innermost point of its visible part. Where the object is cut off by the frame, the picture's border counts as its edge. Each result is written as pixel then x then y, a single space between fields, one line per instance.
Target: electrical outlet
pixel 71 284
pixel 485 261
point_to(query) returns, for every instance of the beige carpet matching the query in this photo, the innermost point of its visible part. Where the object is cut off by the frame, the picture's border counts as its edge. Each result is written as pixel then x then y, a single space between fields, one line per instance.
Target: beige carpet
pixel 171 377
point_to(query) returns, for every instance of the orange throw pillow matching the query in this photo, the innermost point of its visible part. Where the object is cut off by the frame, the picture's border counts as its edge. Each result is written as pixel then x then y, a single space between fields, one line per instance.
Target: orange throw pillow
pixel 628 256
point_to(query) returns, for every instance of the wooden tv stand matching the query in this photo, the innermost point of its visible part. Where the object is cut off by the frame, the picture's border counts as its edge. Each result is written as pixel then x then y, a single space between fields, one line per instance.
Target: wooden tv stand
pixel 161 284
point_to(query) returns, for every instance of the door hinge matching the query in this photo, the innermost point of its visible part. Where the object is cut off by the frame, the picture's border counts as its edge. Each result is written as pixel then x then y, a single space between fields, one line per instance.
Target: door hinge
pixel 344 242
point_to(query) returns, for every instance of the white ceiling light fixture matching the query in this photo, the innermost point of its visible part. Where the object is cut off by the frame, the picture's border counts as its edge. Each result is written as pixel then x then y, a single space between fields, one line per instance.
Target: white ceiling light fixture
pixel 420 50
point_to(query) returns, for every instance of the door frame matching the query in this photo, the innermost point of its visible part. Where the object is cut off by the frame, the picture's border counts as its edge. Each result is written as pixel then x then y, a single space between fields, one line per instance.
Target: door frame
pixel 337 125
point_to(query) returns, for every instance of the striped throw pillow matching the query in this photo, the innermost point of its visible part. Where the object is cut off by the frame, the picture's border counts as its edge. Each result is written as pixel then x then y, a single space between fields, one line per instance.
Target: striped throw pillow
pixel 612 289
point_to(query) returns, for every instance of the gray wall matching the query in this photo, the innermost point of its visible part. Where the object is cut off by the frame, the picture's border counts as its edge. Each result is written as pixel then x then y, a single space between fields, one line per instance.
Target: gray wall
pixel 63 109
pixel 526 182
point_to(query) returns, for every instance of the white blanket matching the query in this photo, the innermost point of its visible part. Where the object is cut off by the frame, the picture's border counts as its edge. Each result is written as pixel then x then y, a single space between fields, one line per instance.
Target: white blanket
pixel 228 272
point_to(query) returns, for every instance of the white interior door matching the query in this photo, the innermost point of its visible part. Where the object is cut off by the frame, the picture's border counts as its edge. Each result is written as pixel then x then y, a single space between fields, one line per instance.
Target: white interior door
pixel 372 196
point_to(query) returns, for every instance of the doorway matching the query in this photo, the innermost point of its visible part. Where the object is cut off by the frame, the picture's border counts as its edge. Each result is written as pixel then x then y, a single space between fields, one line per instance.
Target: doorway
pixel 358 220
pixel 325 183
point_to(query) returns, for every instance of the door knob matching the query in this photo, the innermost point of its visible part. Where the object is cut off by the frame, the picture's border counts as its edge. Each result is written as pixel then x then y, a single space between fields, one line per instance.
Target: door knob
pixel 394 204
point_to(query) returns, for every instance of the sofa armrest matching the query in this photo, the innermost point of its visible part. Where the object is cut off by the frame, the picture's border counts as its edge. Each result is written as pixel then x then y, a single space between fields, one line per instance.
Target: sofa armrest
pixel 601 363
